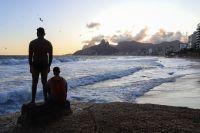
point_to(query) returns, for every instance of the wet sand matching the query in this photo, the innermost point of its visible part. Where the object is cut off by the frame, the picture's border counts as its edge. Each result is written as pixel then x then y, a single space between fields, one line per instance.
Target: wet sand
pixel 184 92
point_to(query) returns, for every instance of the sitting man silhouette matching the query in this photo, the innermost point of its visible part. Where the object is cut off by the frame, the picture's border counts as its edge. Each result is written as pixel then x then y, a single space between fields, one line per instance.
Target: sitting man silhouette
pixel 55 104
pixel 57 89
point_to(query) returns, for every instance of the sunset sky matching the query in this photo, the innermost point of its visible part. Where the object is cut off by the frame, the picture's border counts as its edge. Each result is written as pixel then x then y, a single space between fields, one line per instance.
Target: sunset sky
pixel 71 24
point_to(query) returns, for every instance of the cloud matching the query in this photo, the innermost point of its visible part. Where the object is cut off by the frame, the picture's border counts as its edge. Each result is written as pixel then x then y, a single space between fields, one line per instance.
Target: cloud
pixel 93 41
pixel 93 25
pixel 142 36
pixel 163 36
pixel 127 36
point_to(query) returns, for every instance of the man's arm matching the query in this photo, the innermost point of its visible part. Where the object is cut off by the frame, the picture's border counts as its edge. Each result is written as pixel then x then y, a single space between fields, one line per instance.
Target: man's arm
pixel 48 88
pixel 50 54
pixel 30 57
pixel 66 86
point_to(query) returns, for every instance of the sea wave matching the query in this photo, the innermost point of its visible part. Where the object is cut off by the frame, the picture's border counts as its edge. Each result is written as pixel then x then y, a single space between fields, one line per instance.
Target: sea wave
pixel 73 83
pixel 141 87
pixel 12 61
pixel 125 93
pixel 66 59
pixel 11 101
pixel 20 61
pixel 17 97
pixel 14 96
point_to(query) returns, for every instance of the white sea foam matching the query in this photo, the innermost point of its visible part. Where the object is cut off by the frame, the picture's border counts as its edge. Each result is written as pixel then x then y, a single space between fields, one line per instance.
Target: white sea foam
pixel 20 61
pixel 13 61
pixel 122 93
pixel 91 79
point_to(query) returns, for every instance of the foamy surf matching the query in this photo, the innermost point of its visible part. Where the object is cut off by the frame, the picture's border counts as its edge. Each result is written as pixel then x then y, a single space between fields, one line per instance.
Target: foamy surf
pixel 91 78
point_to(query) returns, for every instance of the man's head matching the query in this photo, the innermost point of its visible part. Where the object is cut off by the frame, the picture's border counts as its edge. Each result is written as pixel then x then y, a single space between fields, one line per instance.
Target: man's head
pixel 56 71
pixel 40 32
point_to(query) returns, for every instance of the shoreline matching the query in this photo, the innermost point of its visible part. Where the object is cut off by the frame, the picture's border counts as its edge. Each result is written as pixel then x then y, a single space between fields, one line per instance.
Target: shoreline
pixel 115 118
pixel 183 92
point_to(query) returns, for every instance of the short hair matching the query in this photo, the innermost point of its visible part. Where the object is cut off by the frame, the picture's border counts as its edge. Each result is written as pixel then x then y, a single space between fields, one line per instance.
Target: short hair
pixel 56 70
pixel 40 30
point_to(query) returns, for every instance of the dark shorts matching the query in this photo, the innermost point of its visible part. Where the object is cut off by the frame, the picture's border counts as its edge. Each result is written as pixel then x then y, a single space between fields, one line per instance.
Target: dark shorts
pixel 40 65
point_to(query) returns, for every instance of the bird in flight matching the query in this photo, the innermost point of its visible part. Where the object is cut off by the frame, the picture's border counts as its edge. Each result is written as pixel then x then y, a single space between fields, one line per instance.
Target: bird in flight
pixel 4 48
pixel 41 19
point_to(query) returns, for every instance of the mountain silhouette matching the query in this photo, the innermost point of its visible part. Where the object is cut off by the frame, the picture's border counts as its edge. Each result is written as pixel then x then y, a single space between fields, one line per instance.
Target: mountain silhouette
pixel 101 49
pixel 129 48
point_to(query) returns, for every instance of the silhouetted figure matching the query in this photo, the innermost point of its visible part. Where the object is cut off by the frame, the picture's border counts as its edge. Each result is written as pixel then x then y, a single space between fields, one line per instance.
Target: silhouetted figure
pixel 40 58
pixel 57 88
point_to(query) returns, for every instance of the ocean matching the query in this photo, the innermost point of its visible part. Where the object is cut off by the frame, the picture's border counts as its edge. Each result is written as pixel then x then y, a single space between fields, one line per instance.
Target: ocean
pixel 102 79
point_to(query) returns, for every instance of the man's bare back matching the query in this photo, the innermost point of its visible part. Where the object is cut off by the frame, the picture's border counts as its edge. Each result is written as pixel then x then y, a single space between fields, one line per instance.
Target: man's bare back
pixel 40 53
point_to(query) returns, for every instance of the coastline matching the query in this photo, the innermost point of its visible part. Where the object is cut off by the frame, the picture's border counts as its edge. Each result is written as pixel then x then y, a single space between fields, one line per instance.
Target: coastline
pixel 183 92
pixel 114 118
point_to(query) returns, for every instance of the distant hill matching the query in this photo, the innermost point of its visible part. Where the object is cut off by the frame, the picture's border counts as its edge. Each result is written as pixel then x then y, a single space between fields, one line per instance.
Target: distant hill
pixel 130 48
pixel 175 44
pixel 137 48
pixel 101 49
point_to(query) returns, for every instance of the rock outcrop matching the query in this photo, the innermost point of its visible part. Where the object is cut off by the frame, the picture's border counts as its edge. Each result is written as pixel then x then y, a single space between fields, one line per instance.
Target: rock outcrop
pixel 119 118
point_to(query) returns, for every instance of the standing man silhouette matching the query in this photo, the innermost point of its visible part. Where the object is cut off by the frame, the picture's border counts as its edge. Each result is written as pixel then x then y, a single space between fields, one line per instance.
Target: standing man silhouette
pixel 40 58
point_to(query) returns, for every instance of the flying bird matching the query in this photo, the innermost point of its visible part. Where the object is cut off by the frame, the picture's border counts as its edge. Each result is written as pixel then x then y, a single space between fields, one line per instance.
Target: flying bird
pixel 4 48
pixel 41 19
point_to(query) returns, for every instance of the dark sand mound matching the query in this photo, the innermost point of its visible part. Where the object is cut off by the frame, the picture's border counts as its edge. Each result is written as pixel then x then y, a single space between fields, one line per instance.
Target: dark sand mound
pixel 115 118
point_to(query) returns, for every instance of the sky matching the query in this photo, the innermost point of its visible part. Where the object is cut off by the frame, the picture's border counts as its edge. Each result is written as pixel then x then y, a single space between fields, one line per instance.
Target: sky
pixel 72 24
